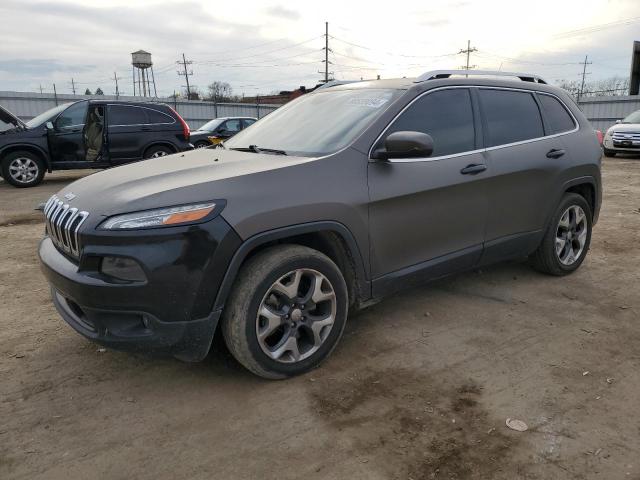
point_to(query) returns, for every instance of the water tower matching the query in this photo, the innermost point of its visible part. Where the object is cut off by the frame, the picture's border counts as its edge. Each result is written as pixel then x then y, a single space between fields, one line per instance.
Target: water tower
pixel 142 63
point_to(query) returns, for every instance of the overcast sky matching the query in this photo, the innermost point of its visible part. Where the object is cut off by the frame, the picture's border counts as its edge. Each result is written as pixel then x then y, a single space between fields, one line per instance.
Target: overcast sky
pixel 263 46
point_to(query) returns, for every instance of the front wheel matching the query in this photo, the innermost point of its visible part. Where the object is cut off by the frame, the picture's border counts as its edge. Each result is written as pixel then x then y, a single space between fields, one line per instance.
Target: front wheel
pixel 22 169
pixel 567 239
pixel 286 312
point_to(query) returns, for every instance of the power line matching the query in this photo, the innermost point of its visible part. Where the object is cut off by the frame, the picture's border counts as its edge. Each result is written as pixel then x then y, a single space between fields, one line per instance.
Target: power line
pixel 597 28
pixel 395 54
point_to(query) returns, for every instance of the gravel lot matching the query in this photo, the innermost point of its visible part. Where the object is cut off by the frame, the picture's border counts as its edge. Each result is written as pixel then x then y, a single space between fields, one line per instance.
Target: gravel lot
pixel 420 386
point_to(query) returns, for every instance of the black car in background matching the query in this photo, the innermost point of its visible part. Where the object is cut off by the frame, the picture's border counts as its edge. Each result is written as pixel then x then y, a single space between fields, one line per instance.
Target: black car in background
pixel 87 134
pixel 218 130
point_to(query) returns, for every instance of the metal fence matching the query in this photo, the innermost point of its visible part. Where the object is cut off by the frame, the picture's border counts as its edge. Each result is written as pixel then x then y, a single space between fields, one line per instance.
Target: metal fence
pixel 27 105
pixel 602 112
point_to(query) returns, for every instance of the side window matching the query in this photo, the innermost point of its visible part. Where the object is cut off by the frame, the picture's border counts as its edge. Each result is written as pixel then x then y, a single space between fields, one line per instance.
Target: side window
pixel 126 115
pixel 155 116
pixel 446 115
pixel 248 121
pixel 511 116
pixel 72 116
pixel 556 114
pixel 232 125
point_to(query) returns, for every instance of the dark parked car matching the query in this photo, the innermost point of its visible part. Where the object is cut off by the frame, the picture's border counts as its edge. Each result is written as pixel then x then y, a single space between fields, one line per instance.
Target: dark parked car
pixel 218 130
pixel 333 201
pixel 87 134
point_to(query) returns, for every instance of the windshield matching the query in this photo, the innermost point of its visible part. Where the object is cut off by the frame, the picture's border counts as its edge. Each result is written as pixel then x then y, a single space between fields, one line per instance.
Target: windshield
pixel 46 116
pixel 211 125
pixel 317 124
pixel 633 118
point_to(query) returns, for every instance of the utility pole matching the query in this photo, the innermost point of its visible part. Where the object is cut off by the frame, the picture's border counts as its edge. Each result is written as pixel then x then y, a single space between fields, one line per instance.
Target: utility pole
pixel 40 89
pixel 115 79
pixel 326 53
pixel 186 73
pixel 584 74
pixel 73 86
pixel 468 51
pixel 55 94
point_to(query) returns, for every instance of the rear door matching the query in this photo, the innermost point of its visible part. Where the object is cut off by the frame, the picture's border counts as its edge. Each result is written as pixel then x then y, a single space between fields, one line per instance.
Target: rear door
pixel 526 157
pixel 427 215
pixel 66 142
pixel 126 125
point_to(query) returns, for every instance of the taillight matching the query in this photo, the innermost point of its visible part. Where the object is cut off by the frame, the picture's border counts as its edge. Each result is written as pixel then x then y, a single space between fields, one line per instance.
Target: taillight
pixel 600 136
pixel 185 127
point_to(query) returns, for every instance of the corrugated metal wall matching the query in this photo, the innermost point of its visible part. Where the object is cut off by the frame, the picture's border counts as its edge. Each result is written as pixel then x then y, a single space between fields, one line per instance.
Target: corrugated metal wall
pixel 603 112
pixel 196 113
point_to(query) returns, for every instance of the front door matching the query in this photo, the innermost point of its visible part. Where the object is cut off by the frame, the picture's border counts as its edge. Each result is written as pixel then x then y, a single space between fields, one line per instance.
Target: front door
pixel 66 140
pixel 427 215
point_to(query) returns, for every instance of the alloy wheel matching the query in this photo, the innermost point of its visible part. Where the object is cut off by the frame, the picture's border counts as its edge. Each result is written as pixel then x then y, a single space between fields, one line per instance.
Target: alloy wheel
pixel 571 235
pixel 296 315
pixel 23 169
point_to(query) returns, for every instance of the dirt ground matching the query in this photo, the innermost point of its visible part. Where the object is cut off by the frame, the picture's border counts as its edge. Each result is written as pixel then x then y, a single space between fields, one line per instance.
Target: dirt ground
pixel 419 388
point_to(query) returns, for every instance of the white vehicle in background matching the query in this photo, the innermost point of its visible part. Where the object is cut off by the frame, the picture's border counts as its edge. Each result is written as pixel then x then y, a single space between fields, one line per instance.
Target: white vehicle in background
pixel 624 136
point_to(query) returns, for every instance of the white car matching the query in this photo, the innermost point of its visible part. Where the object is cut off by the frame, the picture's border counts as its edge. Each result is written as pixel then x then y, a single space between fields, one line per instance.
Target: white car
pixel 624 136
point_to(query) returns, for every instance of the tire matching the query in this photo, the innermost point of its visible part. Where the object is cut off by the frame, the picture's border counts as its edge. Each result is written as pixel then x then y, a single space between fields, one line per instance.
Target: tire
pixel 609 153
pixel 22 169
pixel 546 258
pixel 202 144
pixel 259 285
pixel 156 151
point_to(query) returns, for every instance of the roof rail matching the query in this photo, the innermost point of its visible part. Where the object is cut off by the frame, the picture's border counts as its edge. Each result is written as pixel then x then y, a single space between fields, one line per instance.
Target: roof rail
pixel 335 83
pixel 435 74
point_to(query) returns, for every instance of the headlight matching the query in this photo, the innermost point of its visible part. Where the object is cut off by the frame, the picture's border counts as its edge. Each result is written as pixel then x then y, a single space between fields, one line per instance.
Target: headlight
pixel 609 133
pixel 160 217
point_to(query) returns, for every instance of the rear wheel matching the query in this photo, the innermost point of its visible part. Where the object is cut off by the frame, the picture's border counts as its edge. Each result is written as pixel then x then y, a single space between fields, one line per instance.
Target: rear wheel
pixel 609 153
pixel 157 151
pixel 202 144
pixel 286 312
pixel 566 242
pixel 22 169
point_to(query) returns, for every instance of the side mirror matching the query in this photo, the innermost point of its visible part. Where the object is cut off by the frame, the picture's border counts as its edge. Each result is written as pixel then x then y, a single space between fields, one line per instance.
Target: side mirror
pixel 618 121
pixel 49 125
pixel 405 144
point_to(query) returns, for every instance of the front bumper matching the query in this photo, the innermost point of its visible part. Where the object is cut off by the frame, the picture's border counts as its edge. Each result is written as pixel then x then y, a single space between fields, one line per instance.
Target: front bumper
pixel 630 146
pixel 170 312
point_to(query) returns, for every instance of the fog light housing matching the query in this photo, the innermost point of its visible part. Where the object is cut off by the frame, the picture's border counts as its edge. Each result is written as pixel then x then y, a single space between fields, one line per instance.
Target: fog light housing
pixel 122 268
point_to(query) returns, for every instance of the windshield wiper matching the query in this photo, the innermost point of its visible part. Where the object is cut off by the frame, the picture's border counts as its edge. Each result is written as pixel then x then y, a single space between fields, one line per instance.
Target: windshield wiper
pixel 256 149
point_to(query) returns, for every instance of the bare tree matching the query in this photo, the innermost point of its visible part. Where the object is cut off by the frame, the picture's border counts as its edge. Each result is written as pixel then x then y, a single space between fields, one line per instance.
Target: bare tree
pixel 608 87
pixel 220 92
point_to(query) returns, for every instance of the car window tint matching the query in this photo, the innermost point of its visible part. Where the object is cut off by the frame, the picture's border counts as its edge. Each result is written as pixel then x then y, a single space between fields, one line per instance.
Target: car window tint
pixel 511 116
pixel 232 125
pixel 156 116
pixel 556 114
pixel 72 116
pixel 446 115
pixel 126 115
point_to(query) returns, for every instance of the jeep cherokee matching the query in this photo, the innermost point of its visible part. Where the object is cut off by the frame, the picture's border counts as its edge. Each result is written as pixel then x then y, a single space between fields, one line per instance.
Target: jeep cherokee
pixel 333 201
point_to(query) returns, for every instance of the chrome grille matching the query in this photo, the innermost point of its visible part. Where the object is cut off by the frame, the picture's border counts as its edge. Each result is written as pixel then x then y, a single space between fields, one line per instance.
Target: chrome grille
pixel 63 224
pixel 622 136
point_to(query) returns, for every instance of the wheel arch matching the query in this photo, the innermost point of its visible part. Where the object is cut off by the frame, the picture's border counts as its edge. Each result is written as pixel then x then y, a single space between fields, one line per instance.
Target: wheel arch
pixel 331 238
pixel 16 147
pixel 588 189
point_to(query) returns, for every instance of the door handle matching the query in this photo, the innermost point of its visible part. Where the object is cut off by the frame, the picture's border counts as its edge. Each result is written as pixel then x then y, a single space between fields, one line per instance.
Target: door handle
pixel 146 129
pixel 555 153
pixel 473 169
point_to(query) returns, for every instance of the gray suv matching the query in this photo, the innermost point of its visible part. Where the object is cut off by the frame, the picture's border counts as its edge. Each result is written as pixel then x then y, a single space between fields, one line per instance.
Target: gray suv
pixel 333 201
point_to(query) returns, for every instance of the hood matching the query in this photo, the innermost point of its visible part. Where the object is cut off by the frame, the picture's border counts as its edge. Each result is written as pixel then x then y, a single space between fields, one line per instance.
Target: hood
pixel 189 177
pixel 624 127
pixel 7 117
